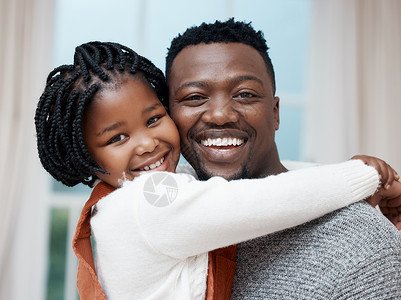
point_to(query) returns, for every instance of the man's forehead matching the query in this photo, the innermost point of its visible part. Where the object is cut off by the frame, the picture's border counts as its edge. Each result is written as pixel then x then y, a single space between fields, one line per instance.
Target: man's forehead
pixel 207 49
pixel 214 60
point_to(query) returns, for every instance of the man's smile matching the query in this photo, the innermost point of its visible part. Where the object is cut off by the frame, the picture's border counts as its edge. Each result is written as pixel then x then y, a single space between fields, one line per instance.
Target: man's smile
pixel 223 142
pixel 221 145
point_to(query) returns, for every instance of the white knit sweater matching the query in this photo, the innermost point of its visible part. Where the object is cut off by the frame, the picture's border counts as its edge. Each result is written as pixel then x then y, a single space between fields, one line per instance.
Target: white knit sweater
pixel 151 247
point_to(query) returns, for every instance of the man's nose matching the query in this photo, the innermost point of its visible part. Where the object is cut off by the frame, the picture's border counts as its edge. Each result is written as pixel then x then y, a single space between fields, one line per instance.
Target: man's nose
pixel 220 110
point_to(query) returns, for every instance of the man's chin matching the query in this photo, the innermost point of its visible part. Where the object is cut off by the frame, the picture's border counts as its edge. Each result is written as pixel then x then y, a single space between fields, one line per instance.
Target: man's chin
pixel 206 168
pixel 205 174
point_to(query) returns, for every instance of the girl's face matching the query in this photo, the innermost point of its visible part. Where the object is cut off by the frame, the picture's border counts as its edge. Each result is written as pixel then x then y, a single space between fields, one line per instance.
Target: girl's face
pixel 128 131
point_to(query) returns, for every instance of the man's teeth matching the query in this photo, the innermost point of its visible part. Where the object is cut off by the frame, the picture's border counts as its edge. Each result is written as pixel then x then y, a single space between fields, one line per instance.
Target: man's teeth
pixel 155 165
pixel 222 142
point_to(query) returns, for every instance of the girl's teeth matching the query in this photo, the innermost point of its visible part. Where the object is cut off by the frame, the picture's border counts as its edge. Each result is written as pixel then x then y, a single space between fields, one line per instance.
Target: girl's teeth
pixel 155 165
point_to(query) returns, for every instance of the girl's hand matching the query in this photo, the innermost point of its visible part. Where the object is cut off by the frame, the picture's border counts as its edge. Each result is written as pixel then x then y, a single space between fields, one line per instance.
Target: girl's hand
pixel 388 196
pixel 390 203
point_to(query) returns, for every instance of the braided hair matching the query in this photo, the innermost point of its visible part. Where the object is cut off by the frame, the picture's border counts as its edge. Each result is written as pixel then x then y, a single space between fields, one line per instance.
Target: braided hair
pixel 69 89
pixel 230 31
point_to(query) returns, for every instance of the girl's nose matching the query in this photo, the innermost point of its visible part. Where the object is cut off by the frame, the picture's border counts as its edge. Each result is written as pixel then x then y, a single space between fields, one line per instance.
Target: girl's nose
pixel 145 144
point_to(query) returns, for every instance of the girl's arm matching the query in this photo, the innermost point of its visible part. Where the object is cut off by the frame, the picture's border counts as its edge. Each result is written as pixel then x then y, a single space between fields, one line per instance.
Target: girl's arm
pixel 199 216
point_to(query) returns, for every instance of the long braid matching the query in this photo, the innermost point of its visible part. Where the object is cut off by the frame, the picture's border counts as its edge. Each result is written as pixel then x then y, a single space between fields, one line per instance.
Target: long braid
pixel 68 92
pixel 85 160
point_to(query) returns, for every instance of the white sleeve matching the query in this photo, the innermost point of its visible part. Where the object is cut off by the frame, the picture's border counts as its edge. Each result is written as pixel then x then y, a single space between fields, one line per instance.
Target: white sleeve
pixel 181 217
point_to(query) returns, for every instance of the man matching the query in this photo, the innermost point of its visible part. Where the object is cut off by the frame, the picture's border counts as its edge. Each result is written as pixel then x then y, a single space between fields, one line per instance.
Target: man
pixel 222 98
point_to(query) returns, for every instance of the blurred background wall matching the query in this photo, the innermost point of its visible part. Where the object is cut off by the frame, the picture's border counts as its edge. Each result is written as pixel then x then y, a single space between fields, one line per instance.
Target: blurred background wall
pixel 338 68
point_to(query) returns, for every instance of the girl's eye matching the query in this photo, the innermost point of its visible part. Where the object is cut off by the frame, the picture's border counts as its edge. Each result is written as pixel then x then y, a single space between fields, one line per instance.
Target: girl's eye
pixel 153 120
pixel 117 138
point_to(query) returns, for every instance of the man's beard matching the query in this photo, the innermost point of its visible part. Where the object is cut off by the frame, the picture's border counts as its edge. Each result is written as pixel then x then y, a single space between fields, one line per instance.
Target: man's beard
pixel 204 175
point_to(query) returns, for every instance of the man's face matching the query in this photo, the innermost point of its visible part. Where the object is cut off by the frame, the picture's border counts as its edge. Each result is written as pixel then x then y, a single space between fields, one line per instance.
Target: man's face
pixel 221 99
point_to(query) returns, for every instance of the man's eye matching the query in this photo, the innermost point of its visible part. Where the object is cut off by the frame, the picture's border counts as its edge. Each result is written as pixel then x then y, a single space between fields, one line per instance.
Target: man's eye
pixel 194 98
pixel 244 95
pixel 153 120
pixel 117 138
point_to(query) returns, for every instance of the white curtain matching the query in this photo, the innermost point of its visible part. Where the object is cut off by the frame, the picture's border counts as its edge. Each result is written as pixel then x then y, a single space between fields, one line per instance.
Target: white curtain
pixel 354 102
pixel 25 59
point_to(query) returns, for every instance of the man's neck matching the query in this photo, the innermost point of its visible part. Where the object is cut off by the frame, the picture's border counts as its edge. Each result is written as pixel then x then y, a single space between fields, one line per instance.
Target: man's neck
pixel 272 166
pixel 274 169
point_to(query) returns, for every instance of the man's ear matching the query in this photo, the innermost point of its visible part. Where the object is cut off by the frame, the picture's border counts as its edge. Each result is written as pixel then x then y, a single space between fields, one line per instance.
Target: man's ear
pixel 276 112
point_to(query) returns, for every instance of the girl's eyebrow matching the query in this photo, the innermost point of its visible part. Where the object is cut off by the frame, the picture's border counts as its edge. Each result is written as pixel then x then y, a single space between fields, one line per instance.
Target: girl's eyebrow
pixel 109 128
pixel 152 107
pixel 118 124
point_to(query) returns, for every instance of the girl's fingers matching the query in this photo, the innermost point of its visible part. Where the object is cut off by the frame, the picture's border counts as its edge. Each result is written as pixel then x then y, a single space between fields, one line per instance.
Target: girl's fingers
pixel 394 203
pixel 384 172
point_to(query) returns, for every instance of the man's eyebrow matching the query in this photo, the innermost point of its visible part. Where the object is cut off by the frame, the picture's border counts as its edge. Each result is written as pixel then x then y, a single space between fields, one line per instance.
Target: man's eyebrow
pixel 235 80
pixel 109 128
pixel 241 78
pixel 201 84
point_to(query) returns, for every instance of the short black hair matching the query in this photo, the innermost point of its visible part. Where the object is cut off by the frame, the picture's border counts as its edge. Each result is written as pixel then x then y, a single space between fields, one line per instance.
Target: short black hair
pixel 69 89
pixel 230 31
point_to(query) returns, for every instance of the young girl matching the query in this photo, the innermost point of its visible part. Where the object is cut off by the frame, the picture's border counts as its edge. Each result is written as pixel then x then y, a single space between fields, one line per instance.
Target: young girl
pixel 103 119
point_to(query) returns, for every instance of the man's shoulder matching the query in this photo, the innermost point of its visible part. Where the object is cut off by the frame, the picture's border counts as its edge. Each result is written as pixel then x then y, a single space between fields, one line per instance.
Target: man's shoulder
pixel 360 232
pixel 354 227
pixel 327 258
pixel 348 237
pixel 357 221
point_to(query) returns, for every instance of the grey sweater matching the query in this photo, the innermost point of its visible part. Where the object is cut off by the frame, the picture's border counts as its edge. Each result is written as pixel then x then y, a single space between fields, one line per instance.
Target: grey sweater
pixel 353 253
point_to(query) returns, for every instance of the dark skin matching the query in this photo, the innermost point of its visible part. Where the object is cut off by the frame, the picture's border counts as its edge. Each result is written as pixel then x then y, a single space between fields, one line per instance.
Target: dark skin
pixel 388 196
pixel 224 91
pixel 222 101
pixel 128 132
